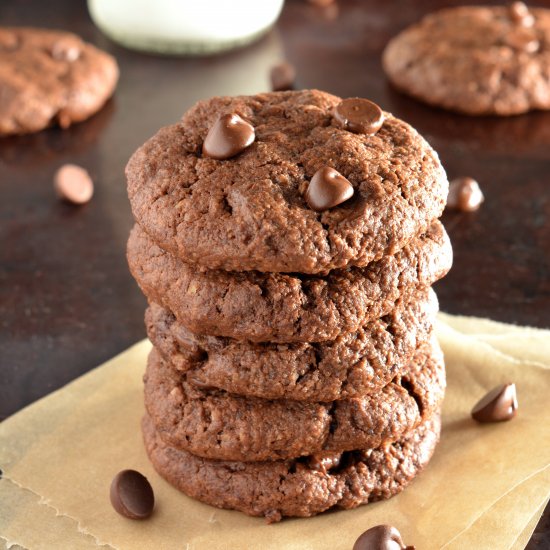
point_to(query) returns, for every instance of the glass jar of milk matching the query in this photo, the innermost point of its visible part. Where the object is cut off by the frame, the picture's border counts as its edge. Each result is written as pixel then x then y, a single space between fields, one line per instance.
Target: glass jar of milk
pixel 184 26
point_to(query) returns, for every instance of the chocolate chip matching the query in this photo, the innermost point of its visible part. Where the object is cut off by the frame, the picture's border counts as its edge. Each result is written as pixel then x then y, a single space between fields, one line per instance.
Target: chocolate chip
pixel 327 188
pixel 359 115
pixel 498 405
pixel 282 77
pixel 520 14
pixel 381 537
pixel 132 495
pixel 464 194
pixel 66 49
pixel 324 462
pixel 228 136
pixel 73 184
pixel 523 40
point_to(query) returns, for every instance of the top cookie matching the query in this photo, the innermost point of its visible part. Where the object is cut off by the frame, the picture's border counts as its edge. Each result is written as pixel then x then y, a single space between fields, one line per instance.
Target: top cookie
pixel 49 77
pixel 475 60
pixel 255 210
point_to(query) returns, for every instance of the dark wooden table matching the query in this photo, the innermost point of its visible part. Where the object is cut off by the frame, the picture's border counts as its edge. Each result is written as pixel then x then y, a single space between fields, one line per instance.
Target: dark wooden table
pixel 67 302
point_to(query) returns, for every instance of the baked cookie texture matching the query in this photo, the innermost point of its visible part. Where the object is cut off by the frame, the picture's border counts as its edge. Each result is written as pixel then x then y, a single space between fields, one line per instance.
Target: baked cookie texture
pixel 214 424
pixel 279 307
pixel 294 366
pixel 50 77
pixel 355 364
pixel 475 60
pixel 300 487
pixel 249 212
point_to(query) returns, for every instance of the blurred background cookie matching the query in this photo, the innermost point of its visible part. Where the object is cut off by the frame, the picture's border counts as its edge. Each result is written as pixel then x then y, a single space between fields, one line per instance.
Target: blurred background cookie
pixel 50 77
pixel 475 60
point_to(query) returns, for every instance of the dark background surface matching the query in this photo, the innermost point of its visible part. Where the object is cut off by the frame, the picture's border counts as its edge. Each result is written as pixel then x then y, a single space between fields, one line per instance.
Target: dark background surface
pixel 67 302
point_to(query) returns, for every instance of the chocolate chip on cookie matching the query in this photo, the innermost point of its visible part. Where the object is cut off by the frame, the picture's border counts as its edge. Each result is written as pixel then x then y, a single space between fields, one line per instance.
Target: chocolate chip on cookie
pixel 359 115
pixel 66 48
pixel 229 136
pixel 327 189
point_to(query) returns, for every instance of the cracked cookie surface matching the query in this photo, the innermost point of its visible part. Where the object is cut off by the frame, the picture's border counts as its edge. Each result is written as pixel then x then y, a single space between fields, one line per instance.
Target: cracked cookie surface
pixel 215 424
pixel 300 487
pixel 279 307
pixel 355 364
pixel 475 60
pixel 50 77
pixel 249 212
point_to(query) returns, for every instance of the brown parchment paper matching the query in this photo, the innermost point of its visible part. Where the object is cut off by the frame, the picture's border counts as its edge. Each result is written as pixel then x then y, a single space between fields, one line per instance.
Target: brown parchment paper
pixel 485 488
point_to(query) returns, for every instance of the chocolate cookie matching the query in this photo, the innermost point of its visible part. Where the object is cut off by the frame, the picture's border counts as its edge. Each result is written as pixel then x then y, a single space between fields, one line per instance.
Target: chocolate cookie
pixel 475 60
pixel 297 487
pixel 250 211
pixel 218 425
pixel 50 77
pixel 353 365
pixel 286 307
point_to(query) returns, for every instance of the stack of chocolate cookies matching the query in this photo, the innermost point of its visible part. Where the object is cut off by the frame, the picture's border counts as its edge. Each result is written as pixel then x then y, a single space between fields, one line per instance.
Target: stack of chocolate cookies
pixel 287 243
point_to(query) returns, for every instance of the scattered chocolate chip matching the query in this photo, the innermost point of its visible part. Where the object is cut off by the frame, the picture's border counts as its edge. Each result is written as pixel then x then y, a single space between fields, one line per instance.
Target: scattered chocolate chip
pixel 522 39
pixel 520 14
pixel 282 77
pixel 132 495
pixel 381 537
pixel 464 194
pixel 359 115
pixel 498 405
pixel 66 49
pixel 228 136
pixel 327 188
pixel 324 462
pixel 73 184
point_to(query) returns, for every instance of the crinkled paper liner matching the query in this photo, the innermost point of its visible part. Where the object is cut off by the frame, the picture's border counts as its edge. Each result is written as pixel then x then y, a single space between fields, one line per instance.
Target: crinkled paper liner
pixel 485 488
